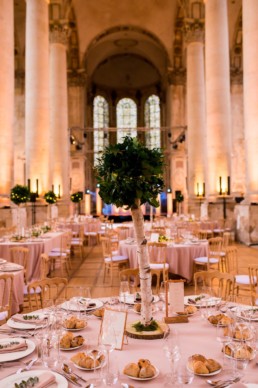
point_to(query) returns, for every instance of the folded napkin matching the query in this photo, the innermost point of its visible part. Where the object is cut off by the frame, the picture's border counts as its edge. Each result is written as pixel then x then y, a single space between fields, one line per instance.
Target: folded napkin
pixel 29 318
pixel 45 380
pixel 13 346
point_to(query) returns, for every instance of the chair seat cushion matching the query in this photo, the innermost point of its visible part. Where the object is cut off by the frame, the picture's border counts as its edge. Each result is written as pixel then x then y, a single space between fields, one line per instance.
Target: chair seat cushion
pixel 159 266
pixel 76 242
pixel 115 258
pixel 57 254
pixel 59 250
pixel 204 260
pixel 90 234
pixel 32 291
pixel 3 315
pixel 243 279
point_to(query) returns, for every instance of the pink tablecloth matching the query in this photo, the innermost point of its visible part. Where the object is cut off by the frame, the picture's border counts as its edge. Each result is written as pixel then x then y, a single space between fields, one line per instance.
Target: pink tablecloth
pixel 196 336
pixel 179 257
pixel 41 245
pixel 18 290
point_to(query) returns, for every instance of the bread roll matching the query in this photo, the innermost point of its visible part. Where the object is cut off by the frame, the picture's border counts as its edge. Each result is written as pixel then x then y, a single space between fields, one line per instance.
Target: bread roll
pixel 200 368
pixel 147 371
pixel 198 357
pixel 212 365
pixel 143 363
pixel 132 369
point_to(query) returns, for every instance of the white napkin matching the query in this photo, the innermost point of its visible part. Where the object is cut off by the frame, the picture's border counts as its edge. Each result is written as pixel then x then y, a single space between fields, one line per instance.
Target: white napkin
pixel 14 347
pixel 45 380
pixel 20 318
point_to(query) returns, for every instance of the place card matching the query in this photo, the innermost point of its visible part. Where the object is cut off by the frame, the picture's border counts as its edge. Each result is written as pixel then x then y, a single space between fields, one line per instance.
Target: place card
pixel 113 324
pixel 174 299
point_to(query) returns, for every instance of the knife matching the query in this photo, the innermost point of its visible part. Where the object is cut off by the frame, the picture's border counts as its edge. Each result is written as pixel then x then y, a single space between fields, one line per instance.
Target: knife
pixel 68 378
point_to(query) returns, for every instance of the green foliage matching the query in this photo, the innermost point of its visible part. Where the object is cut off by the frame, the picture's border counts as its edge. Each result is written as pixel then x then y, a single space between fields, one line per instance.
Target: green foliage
pixel 179 197
pixel 77 197
pixel 20 194
pixel 50 197
pixel 141 327
pixel 129 172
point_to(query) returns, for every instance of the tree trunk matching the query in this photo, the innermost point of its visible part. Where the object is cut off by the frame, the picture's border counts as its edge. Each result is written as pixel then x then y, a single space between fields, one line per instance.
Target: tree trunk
pixel 144 266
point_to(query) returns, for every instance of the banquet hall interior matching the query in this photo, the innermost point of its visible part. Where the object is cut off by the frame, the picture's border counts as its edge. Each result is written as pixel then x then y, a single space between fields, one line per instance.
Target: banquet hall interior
pixel 78 76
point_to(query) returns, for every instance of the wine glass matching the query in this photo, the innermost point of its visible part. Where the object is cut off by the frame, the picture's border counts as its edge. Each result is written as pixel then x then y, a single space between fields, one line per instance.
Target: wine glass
pixel 172 352
pixel 223 335
pixel 162 295
pixel 124 291
pixel 184 374
pixel 108 341
pixel 94 352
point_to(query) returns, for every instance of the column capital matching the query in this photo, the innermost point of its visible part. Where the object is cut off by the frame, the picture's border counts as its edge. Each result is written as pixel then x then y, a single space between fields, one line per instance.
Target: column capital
pixel 77 77
pixel 59 34
pixel 176 76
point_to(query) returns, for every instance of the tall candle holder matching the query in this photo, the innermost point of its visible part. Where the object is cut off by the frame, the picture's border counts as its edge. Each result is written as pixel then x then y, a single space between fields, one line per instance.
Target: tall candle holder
pixel 224 195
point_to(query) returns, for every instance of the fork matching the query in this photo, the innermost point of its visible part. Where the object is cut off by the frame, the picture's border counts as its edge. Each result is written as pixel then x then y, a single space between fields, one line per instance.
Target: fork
pixel 29 364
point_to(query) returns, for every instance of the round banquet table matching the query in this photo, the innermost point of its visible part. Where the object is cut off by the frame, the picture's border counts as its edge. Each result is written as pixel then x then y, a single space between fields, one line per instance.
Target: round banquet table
pixel 197 336
pixel 179 256
pixel 43 244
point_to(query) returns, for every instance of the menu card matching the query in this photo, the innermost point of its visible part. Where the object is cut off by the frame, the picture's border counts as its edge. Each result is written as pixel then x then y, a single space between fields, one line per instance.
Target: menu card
pixel 113 327
pixel 174 296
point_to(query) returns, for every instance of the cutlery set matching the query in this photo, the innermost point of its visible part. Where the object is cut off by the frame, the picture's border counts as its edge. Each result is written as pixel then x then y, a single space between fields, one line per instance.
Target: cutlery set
pixel 223 383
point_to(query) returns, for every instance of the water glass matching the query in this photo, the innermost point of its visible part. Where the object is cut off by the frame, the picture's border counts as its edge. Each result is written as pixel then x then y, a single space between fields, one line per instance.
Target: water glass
pixel 50 350
pixel 184 375
pixel 124 291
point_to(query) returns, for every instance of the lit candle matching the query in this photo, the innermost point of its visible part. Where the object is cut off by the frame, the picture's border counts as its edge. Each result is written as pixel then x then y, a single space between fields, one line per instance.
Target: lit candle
pixel 198 189
pixel 59 191
pixel 37 186
pixel 29 184
pixel 203 189
pixel 220 185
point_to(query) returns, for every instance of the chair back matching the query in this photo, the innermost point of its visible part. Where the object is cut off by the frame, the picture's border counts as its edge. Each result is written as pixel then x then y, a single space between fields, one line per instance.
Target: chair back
pixel 215 246
pixel 157 252
pixel 49 289
pixel 231 260
pixel 106 247
pixel 220 284
pixel 131 275
pixel 20 255
pixel 253 276
pixel 44 266
pixel 6 293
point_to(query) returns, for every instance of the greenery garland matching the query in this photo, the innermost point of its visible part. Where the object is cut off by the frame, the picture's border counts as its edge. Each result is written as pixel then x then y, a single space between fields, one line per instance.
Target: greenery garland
pixel 77 197
pixel 20 194
pixel 50 197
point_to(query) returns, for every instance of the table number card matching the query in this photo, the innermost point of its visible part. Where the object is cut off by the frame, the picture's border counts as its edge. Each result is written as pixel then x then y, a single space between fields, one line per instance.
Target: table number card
pixel 174 300
pixel 113 323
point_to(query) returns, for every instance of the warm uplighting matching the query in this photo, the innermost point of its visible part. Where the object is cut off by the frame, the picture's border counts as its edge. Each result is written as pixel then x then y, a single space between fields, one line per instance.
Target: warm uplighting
pixel 98 201
pixel 87 202
pixel 224 186
pixel 200 190
pixel 169 202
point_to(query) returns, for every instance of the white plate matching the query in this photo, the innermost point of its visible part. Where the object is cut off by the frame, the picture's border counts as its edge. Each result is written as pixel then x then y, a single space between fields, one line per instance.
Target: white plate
pixel 4 357
pixel 11 267
pixel 235 309
pixel 213 301
pixel 75 329
pixel 207 374
pixel 129 299
pixel 24 326
pixel 2 261
pixel 74 307
pixel 9 381
pixel 68 349
pixel 144 379
pixel 186 314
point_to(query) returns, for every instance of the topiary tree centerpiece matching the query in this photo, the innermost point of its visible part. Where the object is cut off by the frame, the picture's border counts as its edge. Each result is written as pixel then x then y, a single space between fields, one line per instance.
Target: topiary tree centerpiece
pixel 129 174
pixel 77 198
pixel 19 194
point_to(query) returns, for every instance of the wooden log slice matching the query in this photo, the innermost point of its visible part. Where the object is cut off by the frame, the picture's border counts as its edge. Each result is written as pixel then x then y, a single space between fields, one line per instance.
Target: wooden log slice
pixel 146 335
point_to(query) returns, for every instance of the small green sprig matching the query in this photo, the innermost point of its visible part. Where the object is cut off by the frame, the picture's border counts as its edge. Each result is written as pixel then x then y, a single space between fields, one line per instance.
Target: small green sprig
pixel 9 344
pixel 141 327
pixel 28 317
pixel 31 382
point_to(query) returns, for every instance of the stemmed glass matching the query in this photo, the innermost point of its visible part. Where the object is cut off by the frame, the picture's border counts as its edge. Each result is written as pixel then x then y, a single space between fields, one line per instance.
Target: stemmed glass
pixel 108 341
pixel 172 352
pixel 162 295
pixel 124 291
pixel 94 352
pixel 223 335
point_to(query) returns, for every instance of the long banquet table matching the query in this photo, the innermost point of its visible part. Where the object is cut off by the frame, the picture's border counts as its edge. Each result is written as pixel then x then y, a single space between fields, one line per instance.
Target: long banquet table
pixel 42 244
pixel 179 256
pixel 196 336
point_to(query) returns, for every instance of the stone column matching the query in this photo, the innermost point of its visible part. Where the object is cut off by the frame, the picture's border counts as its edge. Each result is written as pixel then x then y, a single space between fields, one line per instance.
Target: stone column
pixel 196 134
pixel 217 95
pixel 250 65
pixel 37 94
pixel 6 95
pixel 59 136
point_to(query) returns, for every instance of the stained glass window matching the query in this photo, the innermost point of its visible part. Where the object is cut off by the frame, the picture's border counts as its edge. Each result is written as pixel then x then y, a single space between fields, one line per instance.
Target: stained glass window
pixel 100 120
pixel 126 115
pixel 152 121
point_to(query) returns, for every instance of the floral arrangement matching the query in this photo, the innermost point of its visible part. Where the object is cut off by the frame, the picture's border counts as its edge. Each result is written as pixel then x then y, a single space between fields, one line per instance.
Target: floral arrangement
pixel 179 197
pixel 50 197
pixel 20 194
pixel 77 197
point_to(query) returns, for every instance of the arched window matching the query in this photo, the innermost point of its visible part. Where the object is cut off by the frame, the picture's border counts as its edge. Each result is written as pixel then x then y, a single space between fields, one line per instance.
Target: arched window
pixel 152 121
pixel 100 120
pixel 126 119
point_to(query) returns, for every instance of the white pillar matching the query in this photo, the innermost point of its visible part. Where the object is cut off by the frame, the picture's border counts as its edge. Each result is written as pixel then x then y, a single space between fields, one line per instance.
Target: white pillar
pixel 250 66
pixel 37 94
pixel 217 94
pixel 6 95
pixel 59 145
pixel 196 134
